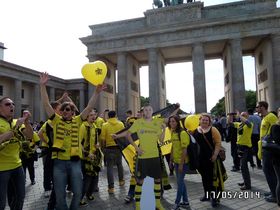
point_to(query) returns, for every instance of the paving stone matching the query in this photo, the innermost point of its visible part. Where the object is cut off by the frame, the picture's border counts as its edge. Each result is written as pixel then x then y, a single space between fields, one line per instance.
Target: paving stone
pixel 35 199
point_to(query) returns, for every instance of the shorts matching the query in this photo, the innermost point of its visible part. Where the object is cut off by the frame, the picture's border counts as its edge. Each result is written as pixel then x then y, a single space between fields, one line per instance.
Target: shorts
pixel 148 167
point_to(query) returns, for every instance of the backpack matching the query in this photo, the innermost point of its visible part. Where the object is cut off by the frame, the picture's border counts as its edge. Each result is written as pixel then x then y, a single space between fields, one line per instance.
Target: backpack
pixel 193 151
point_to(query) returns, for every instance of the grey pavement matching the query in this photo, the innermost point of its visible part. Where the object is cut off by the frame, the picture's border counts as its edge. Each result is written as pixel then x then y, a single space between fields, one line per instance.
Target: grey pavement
pixel 252 199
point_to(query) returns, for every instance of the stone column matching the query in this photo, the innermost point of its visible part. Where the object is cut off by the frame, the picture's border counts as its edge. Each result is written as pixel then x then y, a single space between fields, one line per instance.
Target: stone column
pixel 199 78
pixel 91 89
pixel 37 103
pixel 82 100
pixel 237 74
pixel 52 94
pixel 275 102
pixel 154 79
pixel 17 100
pixel 123 86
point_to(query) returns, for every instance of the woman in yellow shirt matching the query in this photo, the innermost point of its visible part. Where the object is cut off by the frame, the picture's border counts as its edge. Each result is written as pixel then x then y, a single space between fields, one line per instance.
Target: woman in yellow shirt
pixel 180 141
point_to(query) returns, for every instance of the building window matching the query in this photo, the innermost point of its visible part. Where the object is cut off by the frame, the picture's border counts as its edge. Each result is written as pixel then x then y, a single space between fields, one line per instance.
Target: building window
pixel 134 86
pixel 227 79
pixel 22 93
pixel 109 89
pixel 262 77
pixel 1 90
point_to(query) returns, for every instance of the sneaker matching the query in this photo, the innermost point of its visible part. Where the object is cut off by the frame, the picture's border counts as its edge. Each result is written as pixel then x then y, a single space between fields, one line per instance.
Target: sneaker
pixel 204 198
pixel 83 203
pixel 47 193
pixel 128 199
pixel 184 205
pixel 214 203
pixel 270 199
pixel 234 169
pixel 111 190
pixel 241 184
pixel 267 194
pixel 159 207
pixel 121 183
pixel 245 188
pixel 90 197
pixel 167 187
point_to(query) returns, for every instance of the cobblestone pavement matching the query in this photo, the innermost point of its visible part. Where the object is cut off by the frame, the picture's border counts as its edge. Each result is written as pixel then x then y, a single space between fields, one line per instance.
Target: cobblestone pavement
pixel 253 199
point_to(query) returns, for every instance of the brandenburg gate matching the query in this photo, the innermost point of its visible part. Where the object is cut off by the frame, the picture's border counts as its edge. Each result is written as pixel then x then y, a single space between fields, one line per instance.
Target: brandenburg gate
pixel 190 32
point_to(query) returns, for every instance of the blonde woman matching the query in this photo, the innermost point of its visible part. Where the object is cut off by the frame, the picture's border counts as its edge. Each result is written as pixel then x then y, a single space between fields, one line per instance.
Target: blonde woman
pixel 209 140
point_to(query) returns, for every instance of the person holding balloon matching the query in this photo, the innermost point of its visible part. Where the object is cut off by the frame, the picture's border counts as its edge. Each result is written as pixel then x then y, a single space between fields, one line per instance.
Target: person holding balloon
pixel 67 144
pixel 209 140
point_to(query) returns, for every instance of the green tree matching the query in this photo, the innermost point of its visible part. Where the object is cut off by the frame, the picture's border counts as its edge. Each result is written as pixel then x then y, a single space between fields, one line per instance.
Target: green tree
pixel 144 100
pixel 251 100
pixel 219 108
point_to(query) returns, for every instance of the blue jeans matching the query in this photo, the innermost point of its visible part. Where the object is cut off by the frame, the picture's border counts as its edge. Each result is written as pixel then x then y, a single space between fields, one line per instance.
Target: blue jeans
pixel 12 183
pixel 181 187
pixel 62 170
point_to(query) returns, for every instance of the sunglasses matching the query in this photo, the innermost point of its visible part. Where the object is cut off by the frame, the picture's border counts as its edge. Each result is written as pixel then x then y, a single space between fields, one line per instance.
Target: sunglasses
pixel 67 109
pixel 9 104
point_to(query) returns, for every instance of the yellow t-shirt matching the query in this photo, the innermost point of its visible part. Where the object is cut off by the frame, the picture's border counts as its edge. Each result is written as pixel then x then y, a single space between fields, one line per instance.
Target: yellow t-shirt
pixel 99 122
pixel 110 127
pixel 148 133
pixel 244 138
pixel 67 141
pixel 178 145
pixel 88 143
pixel 266 124
pixel 43 129
pixel 9 155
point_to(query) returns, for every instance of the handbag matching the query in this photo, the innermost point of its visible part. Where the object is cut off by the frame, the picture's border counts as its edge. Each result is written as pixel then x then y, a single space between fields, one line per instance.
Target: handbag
pixel 222 152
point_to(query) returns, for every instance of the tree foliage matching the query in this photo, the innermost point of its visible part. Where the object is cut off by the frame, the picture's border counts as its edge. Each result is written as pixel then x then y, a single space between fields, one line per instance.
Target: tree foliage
pixel 146 100
pixel 219 108
pixel 251 100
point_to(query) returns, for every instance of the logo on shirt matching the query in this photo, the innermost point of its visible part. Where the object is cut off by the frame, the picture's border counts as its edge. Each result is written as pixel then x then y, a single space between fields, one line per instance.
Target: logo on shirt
pixel 142 131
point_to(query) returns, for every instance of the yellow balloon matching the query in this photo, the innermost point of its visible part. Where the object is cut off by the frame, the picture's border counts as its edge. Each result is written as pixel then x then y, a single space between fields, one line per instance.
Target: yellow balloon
pixel 95 72
pixel 192 122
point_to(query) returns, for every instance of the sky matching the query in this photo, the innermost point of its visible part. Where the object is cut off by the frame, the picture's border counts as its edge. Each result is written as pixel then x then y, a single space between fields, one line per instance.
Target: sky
pixel 44 36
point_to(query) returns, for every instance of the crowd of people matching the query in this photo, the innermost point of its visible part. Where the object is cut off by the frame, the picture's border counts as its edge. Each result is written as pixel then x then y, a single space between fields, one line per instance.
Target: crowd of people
pixel 74 145
pixel 246 132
